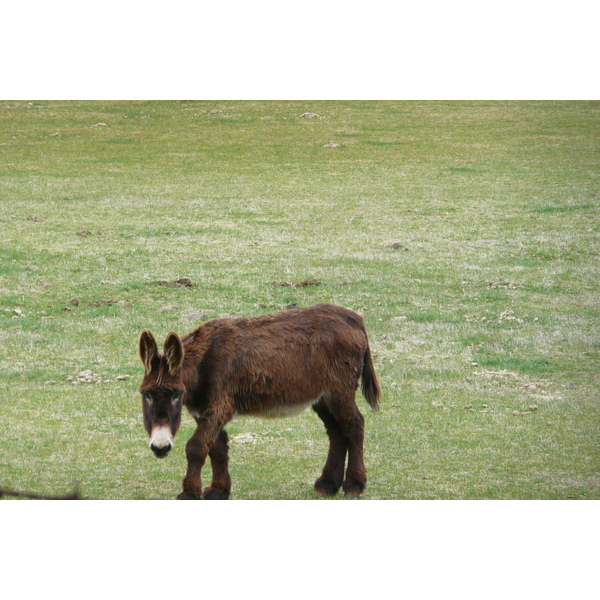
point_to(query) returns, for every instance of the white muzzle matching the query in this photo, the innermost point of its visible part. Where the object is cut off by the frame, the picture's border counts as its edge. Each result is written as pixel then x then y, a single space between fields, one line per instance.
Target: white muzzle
pixel 161 440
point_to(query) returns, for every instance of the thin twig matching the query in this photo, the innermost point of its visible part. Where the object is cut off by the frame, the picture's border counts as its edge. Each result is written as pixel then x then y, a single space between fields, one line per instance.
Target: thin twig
pixel 73 496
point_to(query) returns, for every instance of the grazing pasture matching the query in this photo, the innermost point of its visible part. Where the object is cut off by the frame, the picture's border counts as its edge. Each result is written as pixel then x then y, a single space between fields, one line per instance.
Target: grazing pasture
pixel 465 233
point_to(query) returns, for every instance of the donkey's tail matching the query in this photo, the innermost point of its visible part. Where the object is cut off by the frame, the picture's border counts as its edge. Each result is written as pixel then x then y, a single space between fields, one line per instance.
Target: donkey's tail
pixel 370 386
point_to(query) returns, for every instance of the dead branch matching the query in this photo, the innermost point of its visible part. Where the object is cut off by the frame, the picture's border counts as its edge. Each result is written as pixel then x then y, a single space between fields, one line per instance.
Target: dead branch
pixel 73 496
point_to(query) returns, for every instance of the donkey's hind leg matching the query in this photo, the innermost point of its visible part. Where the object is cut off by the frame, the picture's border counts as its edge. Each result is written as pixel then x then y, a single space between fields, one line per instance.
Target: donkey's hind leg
pixel 352 426
pixel 333 473
pixel 219 458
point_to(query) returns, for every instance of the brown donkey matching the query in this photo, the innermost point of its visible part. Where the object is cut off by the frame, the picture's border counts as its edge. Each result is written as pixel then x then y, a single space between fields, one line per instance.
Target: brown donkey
pixel 270 366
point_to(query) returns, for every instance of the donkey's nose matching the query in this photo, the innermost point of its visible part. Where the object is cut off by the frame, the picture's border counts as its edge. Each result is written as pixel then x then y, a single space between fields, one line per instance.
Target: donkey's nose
pixel 161 440
pixel 161 451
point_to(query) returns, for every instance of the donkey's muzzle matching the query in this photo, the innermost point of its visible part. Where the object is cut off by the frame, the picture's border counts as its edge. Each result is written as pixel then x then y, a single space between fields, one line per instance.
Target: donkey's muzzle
pixel 161 441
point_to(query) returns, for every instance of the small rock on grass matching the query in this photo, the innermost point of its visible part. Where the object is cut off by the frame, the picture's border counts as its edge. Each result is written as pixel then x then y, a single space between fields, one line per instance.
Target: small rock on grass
pixel 532 408
pixel 245 438
pixel 398 319
pixel 167 308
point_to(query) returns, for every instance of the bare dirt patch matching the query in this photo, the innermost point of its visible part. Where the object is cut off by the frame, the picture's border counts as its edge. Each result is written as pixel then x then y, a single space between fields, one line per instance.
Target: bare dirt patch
pixel 297 284
pixel 183 282
pixel 97 303
pixel 500 284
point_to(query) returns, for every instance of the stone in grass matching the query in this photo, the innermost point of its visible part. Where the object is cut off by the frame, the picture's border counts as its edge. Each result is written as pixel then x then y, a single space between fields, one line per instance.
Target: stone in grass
pixel 167 308
pixel 517 413
pixel 86 376
pixel 244 438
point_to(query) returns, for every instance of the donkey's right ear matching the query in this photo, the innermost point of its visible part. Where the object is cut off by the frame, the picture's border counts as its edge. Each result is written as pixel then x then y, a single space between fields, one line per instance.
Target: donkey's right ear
pixel 149 351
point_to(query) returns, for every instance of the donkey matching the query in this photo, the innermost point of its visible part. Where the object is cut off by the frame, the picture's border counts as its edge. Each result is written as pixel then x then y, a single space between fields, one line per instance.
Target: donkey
pixel 270 366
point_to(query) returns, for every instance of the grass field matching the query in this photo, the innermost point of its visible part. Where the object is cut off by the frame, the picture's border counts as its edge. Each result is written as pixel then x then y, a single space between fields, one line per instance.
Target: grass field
pixel 465 233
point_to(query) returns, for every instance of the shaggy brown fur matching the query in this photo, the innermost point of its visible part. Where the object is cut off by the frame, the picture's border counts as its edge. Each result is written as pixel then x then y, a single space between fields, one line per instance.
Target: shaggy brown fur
pixel 274 365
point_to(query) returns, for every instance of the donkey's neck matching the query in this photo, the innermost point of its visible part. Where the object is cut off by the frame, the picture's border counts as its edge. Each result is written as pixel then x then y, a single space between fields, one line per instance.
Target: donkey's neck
pixel 195 346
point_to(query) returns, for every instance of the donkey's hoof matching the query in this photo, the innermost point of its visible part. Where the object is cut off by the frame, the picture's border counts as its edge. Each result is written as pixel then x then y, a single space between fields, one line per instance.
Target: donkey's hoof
pixel 215 494
pixel 189 496
pixel 353 489
pixel 325 487
pixel 351 495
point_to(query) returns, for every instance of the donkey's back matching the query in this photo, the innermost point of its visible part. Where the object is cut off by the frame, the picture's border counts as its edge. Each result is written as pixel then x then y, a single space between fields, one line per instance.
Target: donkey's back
pixel 278 364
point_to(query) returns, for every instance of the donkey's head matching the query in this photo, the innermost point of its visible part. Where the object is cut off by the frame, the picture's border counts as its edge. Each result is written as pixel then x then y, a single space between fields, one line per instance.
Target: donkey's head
pixel 162 390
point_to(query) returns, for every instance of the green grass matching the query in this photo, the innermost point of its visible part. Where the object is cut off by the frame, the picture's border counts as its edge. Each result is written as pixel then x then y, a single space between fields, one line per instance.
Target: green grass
pixel 488 307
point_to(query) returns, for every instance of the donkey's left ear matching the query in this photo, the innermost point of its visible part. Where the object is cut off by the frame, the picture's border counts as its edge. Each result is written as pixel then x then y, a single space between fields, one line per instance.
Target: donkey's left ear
pixel 173 352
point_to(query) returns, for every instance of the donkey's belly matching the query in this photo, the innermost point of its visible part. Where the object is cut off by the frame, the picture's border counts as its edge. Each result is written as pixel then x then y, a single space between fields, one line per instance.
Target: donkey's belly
pixel 276 410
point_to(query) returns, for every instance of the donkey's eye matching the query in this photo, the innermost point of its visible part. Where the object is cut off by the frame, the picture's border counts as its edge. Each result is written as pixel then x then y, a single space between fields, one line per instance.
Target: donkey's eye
pixel 175 400
pixel 148 399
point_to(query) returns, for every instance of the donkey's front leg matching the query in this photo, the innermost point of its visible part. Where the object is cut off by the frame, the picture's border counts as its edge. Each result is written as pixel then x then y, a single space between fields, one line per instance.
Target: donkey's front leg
pixel 196 451
pixel 221 481
pixel 206 436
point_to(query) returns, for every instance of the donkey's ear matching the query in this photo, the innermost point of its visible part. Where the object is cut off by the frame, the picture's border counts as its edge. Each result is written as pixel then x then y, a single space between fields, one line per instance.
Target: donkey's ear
pixel 173 352
pixel 149 351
